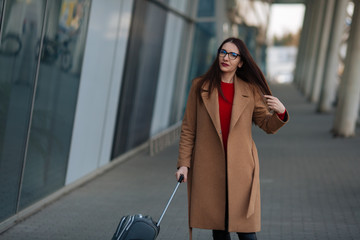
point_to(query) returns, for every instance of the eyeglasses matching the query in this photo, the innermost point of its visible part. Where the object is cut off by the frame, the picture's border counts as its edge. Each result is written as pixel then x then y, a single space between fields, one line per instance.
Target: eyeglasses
pixel 232 55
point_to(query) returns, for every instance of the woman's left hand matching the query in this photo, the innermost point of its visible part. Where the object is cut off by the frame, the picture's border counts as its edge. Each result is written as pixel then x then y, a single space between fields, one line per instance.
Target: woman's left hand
pixel 274 104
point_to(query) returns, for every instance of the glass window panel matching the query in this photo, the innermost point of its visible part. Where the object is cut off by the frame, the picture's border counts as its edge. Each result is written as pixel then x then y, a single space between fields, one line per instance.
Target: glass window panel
pixel 206 8
pixel 140 77
pixel 1 13
pixel 181 5
pixel 204 49
pixel 180 85
pixel 171 51
pixel 21 32
pixel 163 1
pixel 56 96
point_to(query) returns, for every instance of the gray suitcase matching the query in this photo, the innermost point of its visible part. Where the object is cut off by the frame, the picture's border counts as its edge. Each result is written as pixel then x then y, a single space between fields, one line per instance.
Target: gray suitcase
pixel 139 227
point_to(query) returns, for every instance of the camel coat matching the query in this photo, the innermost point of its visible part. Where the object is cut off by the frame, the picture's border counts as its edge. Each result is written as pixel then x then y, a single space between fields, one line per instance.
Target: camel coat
pixel 201 150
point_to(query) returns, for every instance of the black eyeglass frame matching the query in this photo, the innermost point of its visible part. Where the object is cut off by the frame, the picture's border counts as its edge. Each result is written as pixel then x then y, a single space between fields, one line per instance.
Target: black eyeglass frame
pixel 232 55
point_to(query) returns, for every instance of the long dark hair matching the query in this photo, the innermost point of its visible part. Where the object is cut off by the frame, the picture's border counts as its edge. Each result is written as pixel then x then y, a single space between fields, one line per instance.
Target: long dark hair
pixel 249 72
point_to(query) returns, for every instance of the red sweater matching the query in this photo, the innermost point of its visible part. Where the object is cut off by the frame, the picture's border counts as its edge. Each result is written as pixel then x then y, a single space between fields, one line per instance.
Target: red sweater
pixel 225 108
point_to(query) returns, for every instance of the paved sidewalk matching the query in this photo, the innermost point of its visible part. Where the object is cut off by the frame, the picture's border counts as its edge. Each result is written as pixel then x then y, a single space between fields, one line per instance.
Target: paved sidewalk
pixel 310 186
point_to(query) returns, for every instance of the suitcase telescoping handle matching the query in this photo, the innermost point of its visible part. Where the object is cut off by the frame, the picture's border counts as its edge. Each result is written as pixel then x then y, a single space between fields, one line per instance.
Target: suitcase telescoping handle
pixel 167 205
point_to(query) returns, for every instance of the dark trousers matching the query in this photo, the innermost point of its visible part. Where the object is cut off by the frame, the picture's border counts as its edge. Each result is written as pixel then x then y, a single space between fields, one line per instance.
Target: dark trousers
pixel 225 235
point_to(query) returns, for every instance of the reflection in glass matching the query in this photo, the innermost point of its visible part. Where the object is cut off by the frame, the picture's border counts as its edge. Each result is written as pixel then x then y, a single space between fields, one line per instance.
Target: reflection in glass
pixel 56 96
pixel 140 77
pixel 21 30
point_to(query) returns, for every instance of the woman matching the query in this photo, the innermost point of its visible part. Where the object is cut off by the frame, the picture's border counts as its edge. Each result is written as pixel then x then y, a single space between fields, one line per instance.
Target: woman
pixel 217 155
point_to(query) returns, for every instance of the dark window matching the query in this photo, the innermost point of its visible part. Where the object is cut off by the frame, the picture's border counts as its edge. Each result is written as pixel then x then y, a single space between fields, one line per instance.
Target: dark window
pixel 206 8
pixel 21 31
pixel 140 77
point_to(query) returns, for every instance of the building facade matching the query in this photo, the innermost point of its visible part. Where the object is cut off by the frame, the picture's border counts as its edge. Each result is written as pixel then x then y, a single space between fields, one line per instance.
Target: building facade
pixel 84 82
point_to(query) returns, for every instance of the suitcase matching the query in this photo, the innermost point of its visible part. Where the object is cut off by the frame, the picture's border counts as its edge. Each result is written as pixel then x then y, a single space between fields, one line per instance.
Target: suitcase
pixel 139 227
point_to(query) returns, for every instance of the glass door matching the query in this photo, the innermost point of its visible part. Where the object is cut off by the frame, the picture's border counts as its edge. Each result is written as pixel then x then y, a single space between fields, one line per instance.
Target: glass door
pixel 22 23
pixel 61 56
pixel 41 53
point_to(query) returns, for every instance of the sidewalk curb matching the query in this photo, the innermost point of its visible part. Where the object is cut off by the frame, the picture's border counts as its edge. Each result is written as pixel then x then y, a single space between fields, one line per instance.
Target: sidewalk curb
pixel 27 212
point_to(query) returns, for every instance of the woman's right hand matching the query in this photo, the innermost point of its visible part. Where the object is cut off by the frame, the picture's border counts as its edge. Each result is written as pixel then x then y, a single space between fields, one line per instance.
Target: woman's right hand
pixel 182 171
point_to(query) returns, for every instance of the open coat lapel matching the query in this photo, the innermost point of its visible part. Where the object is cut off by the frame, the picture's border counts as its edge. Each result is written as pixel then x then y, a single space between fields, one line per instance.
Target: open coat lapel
pixel 241 99
pixel 212 106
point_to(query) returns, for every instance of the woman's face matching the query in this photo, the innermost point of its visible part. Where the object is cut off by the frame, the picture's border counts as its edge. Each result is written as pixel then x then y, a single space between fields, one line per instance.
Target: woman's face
pixel 229 61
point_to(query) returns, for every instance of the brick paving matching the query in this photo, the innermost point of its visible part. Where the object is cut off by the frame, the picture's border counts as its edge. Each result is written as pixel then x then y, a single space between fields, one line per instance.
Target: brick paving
pixel 310 188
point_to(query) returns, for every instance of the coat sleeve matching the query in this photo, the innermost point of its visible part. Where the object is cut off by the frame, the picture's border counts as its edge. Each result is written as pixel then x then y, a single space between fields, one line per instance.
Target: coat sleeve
pixel 262 117
pixel 188 130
